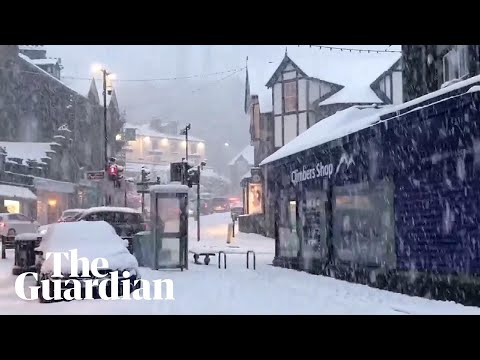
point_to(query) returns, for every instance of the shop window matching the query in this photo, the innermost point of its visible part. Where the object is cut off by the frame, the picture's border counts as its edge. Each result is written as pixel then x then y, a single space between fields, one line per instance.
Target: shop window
pixel 289 244
pixel 255 199
pixel 12 206
pixel 362 224
pixel 314 225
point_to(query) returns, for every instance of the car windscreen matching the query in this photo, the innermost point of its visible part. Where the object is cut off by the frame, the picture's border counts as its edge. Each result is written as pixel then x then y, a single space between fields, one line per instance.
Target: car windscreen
pixel 219 202
pixel 115 217
pixel 70 213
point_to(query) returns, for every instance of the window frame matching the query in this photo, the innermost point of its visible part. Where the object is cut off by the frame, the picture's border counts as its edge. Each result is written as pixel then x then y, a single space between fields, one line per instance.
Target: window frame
pixel 291 85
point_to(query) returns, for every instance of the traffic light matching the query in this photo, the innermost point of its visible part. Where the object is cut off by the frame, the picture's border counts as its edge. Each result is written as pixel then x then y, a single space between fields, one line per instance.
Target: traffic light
pixel 193 177
pixel 176 171
pixel 113 172
pixel 145 174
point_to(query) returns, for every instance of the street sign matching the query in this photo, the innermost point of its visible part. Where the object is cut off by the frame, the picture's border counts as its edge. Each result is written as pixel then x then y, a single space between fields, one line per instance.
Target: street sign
pixel 130 134
pixel 95 175
pixel 142 188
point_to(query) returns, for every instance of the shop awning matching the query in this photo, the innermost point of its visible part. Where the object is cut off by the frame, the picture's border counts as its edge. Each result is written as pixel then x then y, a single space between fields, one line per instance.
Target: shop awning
pixel 16 192
pixel 53 186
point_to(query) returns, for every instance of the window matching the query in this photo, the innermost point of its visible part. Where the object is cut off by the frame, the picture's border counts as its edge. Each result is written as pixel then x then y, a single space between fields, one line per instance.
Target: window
pixel 290 96
pixel 155 144
pixel 455 63
pixel 363 230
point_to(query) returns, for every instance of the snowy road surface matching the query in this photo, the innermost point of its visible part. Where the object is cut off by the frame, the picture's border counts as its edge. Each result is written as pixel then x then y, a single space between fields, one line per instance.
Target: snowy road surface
pixel 236 290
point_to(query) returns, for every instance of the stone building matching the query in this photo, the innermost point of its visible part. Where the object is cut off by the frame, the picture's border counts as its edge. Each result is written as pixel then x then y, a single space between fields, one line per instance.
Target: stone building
pixel 61 129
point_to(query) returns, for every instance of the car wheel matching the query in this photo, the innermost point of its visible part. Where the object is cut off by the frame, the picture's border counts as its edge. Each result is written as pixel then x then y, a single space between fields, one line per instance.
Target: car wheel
pixel 40 293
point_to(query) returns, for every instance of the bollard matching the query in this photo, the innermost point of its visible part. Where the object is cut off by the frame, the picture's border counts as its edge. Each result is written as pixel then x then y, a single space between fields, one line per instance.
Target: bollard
pixel 254 261
pixel 229 234
pixel 224 259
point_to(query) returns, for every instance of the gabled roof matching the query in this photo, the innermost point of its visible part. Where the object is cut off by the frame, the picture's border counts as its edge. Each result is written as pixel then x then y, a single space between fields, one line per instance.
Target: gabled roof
pixel 354 71
pixel 93 93
pixel 27 150
pixel 113 100
pixel 356 118
pixel 32 63
pixel 49 61
pixel 247 153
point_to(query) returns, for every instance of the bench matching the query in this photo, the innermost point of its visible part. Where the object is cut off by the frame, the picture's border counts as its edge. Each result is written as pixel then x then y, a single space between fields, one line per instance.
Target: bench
pixel 206 255
pixel 206 259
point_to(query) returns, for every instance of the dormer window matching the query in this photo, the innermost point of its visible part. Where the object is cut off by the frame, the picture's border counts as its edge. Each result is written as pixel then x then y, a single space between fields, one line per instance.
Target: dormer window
pixel 290 96
pixel 455 63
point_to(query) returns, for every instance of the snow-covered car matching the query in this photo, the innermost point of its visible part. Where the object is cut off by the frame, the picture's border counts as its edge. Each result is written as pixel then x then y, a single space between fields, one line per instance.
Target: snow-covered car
pixel 91 240
pixel 220 204
pixel 12 224
pixel 126 221
pixel 69 214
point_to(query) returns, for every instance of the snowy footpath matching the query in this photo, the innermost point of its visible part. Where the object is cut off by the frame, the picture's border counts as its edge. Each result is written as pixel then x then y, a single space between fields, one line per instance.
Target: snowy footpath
pixel 236 290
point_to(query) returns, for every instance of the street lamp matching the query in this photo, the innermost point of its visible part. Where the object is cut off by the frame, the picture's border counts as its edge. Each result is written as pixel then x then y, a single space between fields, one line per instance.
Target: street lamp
pixel 184 131
pixel 96 68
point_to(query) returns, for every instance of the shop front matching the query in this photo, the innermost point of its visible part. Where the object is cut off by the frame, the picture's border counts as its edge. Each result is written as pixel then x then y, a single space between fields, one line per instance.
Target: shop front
pixel 17 199
pixel 396 197
pixel 252 220
pixel 54 197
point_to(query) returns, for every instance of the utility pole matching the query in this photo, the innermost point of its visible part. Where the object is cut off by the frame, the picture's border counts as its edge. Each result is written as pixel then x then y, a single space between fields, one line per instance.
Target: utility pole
pixel 104 72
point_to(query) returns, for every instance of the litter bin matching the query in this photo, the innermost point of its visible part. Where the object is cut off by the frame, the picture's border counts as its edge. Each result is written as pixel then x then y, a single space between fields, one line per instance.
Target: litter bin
pixel 25 245
pixel 142 248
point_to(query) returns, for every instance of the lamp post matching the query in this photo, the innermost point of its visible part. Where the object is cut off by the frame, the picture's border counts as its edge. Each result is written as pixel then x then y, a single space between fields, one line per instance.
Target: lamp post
pixel 107 88
pixel 185 132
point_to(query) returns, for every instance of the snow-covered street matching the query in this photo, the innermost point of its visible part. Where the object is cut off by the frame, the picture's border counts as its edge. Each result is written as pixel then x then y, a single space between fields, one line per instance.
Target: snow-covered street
pixel 237 290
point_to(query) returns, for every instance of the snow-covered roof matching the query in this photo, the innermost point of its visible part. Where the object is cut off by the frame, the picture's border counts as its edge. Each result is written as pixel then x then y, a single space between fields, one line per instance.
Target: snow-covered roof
pixel 53 185
pixel 333 127
pixel 356 118
pixel 355 71
pixel 352 94
pixel 26 150
pixel 247 153
pixel 49 61
pixel 10 191
pixel 341 67
pixel 146 130
pixel 174 187
pixel 137 167
pixel 32 63
pixel 110 209
pixel 31 47
pixel 91 239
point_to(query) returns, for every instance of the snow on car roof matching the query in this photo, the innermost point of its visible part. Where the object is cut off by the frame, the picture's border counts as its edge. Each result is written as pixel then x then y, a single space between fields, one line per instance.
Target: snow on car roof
pixel 91 239
pixel 110 209
pixel 169 188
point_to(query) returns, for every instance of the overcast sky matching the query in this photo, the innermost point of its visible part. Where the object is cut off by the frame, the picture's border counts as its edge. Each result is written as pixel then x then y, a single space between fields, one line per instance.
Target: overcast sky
pixel 209 102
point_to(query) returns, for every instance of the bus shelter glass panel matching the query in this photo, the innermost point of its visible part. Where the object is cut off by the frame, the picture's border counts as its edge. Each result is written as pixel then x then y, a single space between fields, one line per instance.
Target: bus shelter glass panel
pixel 169 222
